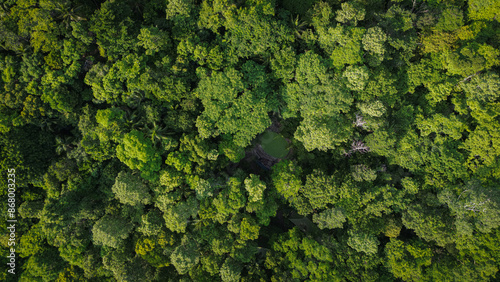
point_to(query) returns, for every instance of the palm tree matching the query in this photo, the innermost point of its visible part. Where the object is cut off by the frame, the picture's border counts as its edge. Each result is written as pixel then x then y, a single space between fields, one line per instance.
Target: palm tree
pixel 158 133
pixel 298 26
pixel 64 144
pixel 65 12
pixel 47 124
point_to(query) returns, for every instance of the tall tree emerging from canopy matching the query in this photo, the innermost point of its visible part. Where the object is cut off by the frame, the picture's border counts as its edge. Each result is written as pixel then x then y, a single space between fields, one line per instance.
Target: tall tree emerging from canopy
pixel 321 101
pixel 235 103
pixel 137 152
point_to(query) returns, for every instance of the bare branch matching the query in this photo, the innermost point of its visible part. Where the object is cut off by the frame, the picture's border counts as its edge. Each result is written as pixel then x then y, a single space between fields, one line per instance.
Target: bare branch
pixel 359 146
pixel 359 122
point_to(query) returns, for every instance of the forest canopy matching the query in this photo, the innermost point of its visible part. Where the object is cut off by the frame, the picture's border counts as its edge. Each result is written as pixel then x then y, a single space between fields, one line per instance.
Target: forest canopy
pixel 140 133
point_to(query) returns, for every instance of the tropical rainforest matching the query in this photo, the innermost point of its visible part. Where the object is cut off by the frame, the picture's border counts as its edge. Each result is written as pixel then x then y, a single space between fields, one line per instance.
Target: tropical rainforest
pixel 251 140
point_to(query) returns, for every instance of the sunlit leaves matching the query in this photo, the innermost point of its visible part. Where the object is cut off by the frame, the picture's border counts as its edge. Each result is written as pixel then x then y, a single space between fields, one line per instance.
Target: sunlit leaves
pixel 330 219
pixel 320 99
pixel 350 13
pixel 137 152
pixel 407 260
pixel 254 32
pixel 230 271
pixel 287 178
pixel 483 88
pixel 319 189
pixel 230 200
pixel 373 41
pixel 451 19
pixel 255 188
pixel 176 215
pixel 323 134
pixel 363 242
pixel 477 206
pixel 153 40
pixel 151 223
pixel 357 77
pixel 430 224
pixel 484 10
pixel 439 124
pixel 471 58
pixel 230 108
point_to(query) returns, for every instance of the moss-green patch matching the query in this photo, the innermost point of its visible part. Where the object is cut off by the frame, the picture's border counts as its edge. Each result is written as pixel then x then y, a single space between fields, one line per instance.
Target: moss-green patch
pixel 274 144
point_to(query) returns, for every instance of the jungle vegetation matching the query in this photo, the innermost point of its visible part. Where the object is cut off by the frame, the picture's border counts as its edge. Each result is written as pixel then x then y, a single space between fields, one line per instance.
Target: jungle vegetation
pixel 133 125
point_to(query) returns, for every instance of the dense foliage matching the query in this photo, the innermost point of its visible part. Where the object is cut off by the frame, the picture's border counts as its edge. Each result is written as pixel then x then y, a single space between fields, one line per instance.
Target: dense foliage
pixel 132 127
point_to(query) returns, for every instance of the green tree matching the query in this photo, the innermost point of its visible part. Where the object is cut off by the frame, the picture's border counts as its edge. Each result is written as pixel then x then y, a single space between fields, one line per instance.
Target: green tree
pixel 91 142
pixel 451 19
pixel 137 153
pixel 475 208
pixel 170 179
pixel 111 123
pixel 111 231
pixel 372 108
pixel 151 223
pixel 255 188
pixel 320 189
pixel 202 187
pixel 231 107
pixel 252 31
pixel 154 249
pixel 230 200
pixel 320 101
pixel 31 209
pixel 114 29
pixel 439 124
pixel 153 40
pixel 176 215
pixel 329 219
pixel 363 173
pixel 185 256
pixel 303 257
pixel 363 242
pixel 232 151
pixel 397 23
pixel 283 64
pixel 357 77
pixel 314 91
pixel 431 224
pixel 129 189
pixel 407 260
pixel 286 177
pixel 32 242
pixel 350 13
pixel 230 270
pixel 43 266
pixel 373 42
pixel 483 10
pixel 470 59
